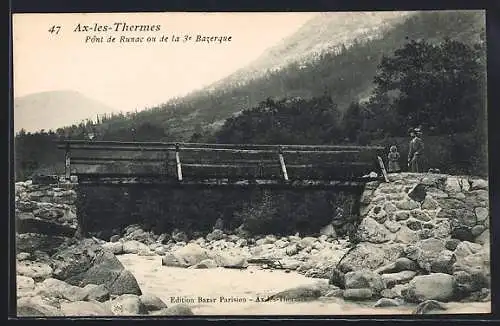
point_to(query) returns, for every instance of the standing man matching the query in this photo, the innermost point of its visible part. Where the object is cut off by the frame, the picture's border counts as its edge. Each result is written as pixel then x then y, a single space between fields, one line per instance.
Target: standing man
pixel 415 151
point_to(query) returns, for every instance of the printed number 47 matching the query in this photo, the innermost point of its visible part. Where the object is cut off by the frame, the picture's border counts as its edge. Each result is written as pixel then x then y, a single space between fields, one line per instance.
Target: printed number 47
pixel 54 29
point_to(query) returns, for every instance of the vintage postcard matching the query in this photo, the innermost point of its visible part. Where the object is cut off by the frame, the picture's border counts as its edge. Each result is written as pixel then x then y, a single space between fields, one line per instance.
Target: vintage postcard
pixel 244 164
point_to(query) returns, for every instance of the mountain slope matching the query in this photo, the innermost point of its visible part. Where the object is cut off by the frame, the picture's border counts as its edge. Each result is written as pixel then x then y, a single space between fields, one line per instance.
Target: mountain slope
pixel 324 33
pixel 55 109
pixel 344 70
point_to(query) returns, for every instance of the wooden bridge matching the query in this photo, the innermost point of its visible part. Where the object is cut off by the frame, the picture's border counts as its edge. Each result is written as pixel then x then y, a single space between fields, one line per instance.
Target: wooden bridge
pixel 209 165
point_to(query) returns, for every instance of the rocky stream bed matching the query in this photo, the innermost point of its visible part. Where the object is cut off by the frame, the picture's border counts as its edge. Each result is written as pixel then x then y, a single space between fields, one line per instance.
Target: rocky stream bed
pixel 421 246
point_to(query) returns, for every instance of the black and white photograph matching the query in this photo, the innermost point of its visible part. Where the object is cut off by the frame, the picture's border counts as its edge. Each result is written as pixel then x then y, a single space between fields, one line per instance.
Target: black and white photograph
pixel 251 164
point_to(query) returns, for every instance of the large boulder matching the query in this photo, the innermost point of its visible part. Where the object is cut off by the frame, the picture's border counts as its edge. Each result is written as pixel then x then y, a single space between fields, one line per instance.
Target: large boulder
pixel 96 292
pixel 204 264
pixel 134 247
pixel 473 259
pixel 468 283
pixel 358 294
pixel 431 255
pixel 36 270
pixel 429 306
pixel 88 263
pixel 59 289
pixel 399 265
pixel 125 283
pixel 364 278
pixel 230 259
pixel 300 293
pixel 127 305
pixel 215 235
pixel 462 220
pixel 152 302
pixel 386 302
pixel 392 279
pixel 191 254
pixel 171 260
pixel 370 256
pixel 25 286
pixel 36 306
pixel 135 233
pixel 115 247
pixel 435 286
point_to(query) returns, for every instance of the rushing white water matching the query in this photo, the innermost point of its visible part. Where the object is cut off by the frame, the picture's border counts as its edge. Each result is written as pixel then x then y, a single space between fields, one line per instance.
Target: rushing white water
pixel 220 291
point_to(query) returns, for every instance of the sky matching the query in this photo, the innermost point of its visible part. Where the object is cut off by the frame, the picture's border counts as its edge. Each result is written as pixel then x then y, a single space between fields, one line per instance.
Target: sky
pixel 129 76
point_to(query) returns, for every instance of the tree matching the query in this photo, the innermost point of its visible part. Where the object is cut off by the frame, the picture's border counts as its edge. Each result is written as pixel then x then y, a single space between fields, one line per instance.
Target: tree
pixel 438 86
pixel 285 121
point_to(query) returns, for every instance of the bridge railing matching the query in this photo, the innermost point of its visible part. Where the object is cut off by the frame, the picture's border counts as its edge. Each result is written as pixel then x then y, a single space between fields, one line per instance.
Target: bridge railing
pixel 192 161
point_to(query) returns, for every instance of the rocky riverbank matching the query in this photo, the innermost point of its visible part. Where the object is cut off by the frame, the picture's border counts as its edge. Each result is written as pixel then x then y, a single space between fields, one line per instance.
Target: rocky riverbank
pixel 66 277
pixel 422 240
pixel 245 286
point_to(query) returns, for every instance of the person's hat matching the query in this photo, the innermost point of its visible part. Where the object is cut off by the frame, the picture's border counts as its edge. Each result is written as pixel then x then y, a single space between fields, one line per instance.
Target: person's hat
pixel 417 130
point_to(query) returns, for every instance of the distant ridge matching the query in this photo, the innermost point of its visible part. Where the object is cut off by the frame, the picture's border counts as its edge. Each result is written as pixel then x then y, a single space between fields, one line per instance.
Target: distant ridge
pixel 55 109
pixel 325 32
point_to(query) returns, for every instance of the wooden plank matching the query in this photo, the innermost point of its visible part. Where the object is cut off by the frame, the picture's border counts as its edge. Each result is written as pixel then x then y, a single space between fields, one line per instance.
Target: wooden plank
pixel 226 165
pixel 264 183
pixel 262 151
pixel 291 147
pixel 202 149
pixel 114 143
pixel 214 145
pixel 320 152
pixel 120 148
pixel 113 159
pixel 382 167
pixel 67 163
pixel 178 162
pixel 283 166
pixel 329 165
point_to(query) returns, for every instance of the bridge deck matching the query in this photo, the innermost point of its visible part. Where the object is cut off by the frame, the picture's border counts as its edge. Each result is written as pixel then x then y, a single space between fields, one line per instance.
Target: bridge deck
pixel 117 180
pixel 189 164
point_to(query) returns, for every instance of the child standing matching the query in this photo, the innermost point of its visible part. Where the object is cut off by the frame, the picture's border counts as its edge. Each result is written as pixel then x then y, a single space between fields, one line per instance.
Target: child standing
pixel 393 158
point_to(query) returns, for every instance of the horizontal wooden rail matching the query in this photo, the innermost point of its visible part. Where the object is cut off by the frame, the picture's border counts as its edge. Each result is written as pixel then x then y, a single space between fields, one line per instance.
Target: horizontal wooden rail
pixel 200 149
pixel 227 165
pixel 84 160
pixel 117 148
pixel 241 164
pixel 169 145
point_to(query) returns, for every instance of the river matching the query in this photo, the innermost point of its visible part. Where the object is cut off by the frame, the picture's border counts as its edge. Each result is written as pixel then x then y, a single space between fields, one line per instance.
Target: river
pixel 237 291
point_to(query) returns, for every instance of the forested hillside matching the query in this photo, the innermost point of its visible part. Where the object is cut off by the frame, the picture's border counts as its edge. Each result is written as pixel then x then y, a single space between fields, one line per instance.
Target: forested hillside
pixel 428 70
pixel 346 75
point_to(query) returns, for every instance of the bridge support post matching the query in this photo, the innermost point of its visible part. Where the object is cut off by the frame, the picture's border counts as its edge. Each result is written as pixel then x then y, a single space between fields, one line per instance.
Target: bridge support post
pixel 178 162
pixel 382 167
pixel 282 163
pixel 67 165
